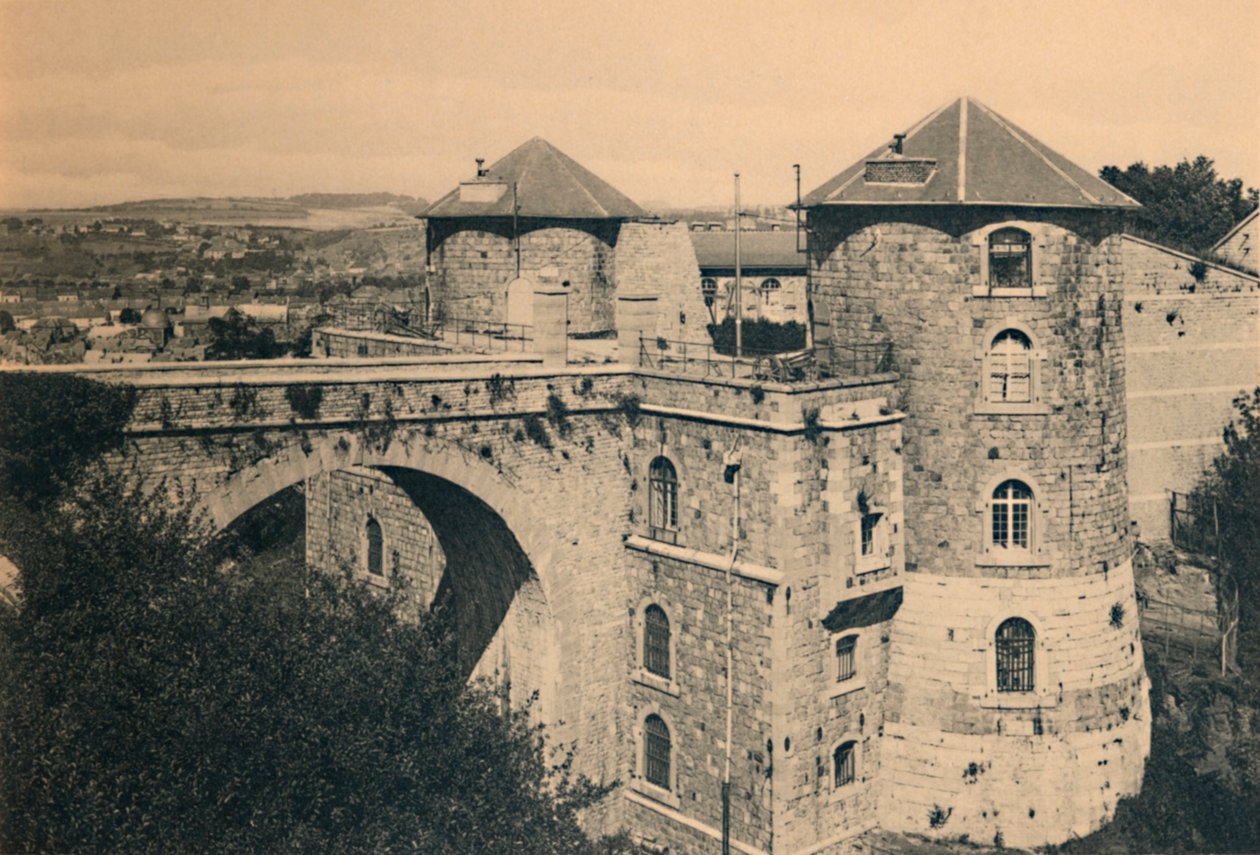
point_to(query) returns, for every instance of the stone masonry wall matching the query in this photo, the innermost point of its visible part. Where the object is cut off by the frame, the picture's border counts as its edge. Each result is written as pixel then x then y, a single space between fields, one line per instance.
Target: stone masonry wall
pixel 656 258
pixel 475 260
pixel 913 276
pixel 1192 347
pixel 349 343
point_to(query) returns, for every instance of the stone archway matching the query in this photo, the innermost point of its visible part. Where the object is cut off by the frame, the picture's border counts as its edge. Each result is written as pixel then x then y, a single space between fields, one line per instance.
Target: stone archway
pixel 483 580
pixel 520 302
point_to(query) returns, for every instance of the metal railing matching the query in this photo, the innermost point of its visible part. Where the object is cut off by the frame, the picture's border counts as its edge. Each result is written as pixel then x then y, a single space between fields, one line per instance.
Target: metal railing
pixel 1190 636
pixel 1194 524
pixel 490 335
pixel 796 366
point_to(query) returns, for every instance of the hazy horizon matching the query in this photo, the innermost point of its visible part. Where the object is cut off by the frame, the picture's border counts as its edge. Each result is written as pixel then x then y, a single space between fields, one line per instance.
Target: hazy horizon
pixel 102 103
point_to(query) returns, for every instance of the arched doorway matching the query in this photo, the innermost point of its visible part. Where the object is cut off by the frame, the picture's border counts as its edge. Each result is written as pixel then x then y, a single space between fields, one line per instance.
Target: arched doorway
pixel 520 302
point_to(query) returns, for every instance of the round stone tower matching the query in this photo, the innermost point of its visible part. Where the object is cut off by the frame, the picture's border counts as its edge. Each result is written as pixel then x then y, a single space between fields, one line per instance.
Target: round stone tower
pixel 1017 706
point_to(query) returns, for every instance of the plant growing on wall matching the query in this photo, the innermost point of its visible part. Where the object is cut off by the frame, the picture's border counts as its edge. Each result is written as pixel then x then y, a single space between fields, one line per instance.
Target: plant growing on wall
pixel 304 399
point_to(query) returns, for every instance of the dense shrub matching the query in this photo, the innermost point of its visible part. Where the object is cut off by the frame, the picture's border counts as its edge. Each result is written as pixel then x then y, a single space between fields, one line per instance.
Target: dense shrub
pixel 759 336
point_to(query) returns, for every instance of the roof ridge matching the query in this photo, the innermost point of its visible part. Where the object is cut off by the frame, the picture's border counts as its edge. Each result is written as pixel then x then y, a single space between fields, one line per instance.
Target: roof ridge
pixel 1237 227
pixel 1090 197
pixel 562 160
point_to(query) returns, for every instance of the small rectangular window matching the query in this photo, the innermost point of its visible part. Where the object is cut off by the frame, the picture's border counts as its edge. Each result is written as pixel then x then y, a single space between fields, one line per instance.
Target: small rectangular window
pixel 846 658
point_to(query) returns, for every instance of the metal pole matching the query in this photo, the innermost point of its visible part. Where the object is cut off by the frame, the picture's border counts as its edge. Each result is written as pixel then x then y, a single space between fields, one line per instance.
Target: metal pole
pixel 730 666
pixel 516 232
pixel 739 281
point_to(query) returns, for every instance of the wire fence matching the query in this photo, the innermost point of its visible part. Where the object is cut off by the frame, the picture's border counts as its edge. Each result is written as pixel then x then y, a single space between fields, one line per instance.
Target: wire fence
pixel 704 359
pixel 1194 523
pixel 1192 636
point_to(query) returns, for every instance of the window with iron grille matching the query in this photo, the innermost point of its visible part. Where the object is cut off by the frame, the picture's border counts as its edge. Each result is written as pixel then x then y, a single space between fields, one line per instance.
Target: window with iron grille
pixel 1010 259
pixel 656 752
pixel 1014 643
pixel 656 641
pixel 846 658
pixel 1012 516
pixel 1010 368
pixel 663 494
pixel 844 762
pixel 375 548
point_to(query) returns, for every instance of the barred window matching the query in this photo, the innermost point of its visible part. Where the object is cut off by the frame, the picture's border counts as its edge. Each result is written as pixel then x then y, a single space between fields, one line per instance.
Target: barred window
pixel 844 764
pixel 1012 516
pixel 656 752
pixel 846 658
pixel 663 490
pixel 1010 368
pixel 375 548
pixel 708 287
pixel 656 641
pixel 1010 259
pixel 1014 643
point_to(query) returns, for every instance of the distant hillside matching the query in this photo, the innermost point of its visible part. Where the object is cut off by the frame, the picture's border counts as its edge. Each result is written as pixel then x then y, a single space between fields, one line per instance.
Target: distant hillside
pixel 408 204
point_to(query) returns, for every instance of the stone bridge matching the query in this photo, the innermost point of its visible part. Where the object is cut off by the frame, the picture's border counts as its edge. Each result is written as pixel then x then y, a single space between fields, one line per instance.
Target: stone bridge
pixel 521 491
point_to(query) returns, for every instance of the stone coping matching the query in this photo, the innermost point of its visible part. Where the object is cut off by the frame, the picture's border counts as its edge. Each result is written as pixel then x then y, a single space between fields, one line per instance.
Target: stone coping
pixel 712 560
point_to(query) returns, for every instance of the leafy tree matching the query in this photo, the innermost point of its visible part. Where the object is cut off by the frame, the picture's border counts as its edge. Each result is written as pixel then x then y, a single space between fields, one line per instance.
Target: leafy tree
pixel 1234 485
pixel 235 336
pixel 759 336
pixel 1187 206
pixel 6 322
pixel 156 699
pixel 128 315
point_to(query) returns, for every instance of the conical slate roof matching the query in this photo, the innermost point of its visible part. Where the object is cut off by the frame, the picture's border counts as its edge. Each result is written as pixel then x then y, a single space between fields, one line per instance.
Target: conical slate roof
pixel 966 154
pixel 548 183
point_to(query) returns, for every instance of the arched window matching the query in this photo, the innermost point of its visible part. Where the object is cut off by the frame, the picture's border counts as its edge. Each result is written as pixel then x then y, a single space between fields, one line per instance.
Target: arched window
pixel 1010 259
pixel 844 764
pixel 846 658
pixel 1014 643
pixel 708 287
pixel 656 641
pixel 656 752
pixel 1012 515
pixel 663 495
pixel 771 284
pixel 1008 366
pixel 375 548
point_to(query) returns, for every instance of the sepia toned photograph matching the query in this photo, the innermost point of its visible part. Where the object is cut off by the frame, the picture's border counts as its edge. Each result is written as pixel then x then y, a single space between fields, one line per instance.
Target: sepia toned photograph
pixel 692 428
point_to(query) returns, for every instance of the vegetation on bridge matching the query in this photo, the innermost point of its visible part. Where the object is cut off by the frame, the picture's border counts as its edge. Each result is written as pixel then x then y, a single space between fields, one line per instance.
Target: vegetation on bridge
pixel 159 692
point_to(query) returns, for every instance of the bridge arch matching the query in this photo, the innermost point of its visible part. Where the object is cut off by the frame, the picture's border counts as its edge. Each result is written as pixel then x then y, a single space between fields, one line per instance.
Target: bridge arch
pixel 495 578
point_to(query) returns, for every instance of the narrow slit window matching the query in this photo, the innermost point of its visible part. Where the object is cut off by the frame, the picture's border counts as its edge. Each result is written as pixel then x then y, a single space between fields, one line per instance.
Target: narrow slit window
pixel 1015 643
pixel 375 548
pixel 870 528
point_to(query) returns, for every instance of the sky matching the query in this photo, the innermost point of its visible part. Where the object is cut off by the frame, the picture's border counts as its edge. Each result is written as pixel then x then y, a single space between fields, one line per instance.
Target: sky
pixel 113 100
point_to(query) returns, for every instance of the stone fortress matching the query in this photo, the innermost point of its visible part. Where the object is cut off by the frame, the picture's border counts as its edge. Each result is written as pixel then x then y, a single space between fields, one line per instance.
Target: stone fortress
pixel 896 593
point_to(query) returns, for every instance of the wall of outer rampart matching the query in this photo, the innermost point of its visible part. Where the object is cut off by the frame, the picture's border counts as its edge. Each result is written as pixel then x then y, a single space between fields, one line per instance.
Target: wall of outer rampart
pixel 915 277
pixel 1192 346
pixel 474 261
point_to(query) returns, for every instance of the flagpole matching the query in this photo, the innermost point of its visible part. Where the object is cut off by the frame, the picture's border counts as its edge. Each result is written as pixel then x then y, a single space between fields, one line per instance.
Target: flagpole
pixel 739 280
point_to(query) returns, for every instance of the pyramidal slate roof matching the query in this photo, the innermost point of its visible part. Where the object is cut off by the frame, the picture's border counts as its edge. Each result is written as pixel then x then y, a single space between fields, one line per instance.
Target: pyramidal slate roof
pixel 548 183
pixel 966 154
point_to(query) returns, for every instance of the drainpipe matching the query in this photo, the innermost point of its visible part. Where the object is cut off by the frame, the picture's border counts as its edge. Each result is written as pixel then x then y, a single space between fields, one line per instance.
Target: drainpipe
pixel 732 477
pixel 516 231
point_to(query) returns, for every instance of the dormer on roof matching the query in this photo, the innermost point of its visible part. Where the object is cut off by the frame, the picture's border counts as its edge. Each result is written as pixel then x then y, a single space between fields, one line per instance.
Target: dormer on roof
pixel 537 180
pixel 966 154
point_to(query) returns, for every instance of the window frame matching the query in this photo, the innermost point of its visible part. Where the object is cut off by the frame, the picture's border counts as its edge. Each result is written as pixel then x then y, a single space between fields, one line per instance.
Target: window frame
pixel 835 687
pixel 1015 657
pixel 364 565
pixel 879 558
pixel 668 795
pixel 855 783
pixel 1036 249
pixel 985 403
pixel 663 529
pixel 1041 694
pixel 1037 554
pixel 639 673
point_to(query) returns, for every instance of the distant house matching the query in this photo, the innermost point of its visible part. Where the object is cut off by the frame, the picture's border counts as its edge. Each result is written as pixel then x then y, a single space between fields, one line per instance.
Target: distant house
pixel 771 270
